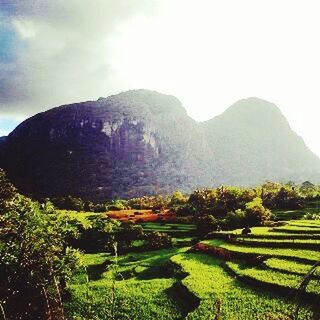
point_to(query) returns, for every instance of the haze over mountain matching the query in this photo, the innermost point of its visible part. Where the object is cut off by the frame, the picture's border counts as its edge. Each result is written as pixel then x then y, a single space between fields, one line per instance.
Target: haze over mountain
pixel 142 142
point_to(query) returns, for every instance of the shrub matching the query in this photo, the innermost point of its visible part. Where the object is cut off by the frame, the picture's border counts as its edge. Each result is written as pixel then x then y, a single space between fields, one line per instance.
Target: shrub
pixel 177 200
pixel 35 262
pixel 68 203
pixel 117 205
pixel 157 240
pixel 236 219
pixel 206 224
pixel 256 213
pixel 311 216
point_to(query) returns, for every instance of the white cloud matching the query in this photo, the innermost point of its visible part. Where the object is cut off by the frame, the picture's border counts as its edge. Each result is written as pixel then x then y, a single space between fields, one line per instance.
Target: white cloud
pixel 25 28
pixel 63 53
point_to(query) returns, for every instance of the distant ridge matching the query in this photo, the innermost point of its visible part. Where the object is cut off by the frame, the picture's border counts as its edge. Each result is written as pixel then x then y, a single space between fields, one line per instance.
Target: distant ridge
pixel 143 142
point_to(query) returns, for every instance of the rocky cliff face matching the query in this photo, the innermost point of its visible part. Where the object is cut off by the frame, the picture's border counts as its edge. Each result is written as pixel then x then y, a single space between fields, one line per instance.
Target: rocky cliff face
pixel 142 142
pixel 135 143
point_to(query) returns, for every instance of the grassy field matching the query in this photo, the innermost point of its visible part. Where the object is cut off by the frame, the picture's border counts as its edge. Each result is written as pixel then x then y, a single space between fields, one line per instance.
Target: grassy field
pixel 266 277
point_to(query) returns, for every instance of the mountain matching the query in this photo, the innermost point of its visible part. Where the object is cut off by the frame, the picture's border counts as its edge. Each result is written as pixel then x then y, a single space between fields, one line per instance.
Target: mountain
pixel 134 143
pixel 142 142
pixel 253 142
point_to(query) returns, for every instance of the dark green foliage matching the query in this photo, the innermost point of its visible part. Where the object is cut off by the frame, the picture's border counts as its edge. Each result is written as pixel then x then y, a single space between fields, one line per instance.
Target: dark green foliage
pixel 117 205
pixel 98 237
pixel 219 201
pixel 69 203
pixel 127 235
pixel 35 262
pixel 256 213
pixel 177 200
pixel 155 203
pixel 309 190
pixel 77 204
pixel 280 196
pixel 236 219
pixel 7 192
pixel 235 207
pixel 157 240
pixel 207 223
pixel 288 198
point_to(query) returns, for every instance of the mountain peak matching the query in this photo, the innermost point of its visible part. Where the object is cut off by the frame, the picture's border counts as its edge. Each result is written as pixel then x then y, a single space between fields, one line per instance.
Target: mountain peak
pixel 153 101
pixel 254 104
pixel 252 113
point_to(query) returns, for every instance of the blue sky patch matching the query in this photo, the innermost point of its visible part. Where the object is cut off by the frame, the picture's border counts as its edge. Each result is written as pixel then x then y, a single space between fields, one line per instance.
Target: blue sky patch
pixel 8 41
pixel 7 125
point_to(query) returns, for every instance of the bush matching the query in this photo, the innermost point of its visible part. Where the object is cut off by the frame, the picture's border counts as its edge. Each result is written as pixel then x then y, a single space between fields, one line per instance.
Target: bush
pixel 237 219
pixel 68 203
pixel 177 201
pixel 157 240
pixel 256 213
pixel 98 236
pixel 35 262
pixel 206 224
pixel 7 192
pixel 311 216
pixel 117 205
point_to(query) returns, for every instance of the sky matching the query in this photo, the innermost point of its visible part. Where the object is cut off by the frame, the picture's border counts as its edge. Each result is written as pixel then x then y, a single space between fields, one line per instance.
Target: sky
pixel 207 53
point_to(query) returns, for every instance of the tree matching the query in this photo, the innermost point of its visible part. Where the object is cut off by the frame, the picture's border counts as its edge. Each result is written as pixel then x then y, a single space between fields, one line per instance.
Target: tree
pixel 7 193
pixel 309 190
pixel 157 240
pixel 307 185
pixel 117 205
pixel 237 219
pixel 202 201
pixel 159 203
pixel 177 200
pixel 288 198
pixel 206 224
pixel 69 203
pixel 97 236
pixel 35 262
pixel 127 234
pixel 268 193
pixel 256 213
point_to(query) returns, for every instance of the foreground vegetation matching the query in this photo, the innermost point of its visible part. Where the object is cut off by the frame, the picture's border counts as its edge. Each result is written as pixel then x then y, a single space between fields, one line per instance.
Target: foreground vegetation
pixel 224 253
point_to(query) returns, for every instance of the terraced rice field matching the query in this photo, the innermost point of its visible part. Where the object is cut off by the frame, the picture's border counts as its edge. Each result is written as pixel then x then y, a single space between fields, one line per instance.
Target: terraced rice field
pixel 170 228
pixel 312 207
pixel 179 283
pixel 208 280
pixel 278 269
pixel 293 267
pixel 137 287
